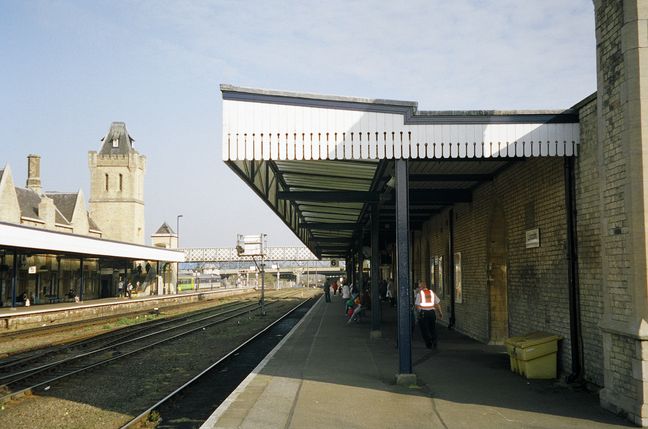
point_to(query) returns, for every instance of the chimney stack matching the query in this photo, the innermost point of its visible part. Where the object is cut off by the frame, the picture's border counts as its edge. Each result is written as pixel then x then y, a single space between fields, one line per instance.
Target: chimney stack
pixel 33 174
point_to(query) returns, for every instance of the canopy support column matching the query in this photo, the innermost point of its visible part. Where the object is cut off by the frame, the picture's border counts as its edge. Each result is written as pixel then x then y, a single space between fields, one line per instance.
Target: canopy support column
pixel 375 280
pixel 82 281
pixel 405 375
pixel 14 274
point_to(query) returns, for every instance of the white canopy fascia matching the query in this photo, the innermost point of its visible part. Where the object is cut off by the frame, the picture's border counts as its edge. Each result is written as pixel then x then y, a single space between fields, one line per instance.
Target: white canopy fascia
pixel 21 236
pixel 271 125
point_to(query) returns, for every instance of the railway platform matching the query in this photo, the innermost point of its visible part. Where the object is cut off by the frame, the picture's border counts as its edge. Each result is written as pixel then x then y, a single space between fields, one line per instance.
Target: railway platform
pixel 327 374
pixel 16 319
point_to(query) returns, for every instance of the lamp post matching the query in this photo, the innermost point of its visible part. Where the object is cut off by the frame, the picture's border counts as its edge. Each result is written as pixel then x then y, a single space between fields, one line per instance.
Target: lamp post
pixel 178 246
pixel 178 228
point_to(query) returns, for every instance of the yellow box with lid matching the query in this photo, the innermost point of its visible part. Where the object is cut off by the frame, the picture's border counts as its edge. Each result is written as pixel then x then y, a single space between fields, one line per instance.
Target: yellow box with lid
pixel 535 354
pixel 511 343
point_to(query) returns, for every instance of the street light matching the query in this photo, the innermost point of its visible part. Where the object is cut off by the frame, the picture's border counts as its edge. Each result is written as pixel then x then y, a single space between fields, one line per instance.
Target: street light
pixel 178 229
pixel 178 246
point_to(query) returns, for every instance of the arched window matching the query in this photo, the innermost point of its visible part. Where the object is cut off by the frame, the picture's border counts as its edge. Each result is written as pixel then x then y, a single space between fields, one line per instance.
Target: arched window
pixel 121 182
pixel 106 181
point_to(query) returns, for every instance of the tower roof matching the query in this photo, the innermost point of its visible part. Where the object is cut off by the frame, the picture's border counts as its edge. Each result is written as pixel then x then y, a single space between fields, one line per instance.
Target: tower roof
pixel 117 141
pixel 165 229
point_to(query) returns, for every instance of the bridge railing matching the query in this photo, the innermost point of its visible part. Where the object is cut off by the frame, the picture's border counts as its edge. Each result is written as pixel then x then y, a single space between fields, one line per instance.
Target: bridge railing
pixel 224 254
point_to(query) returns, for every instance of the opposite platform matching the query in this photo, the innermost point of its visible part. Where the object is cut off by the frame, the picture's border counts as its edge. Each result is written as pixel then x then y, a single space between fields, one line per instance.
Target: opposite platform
pixel 329 374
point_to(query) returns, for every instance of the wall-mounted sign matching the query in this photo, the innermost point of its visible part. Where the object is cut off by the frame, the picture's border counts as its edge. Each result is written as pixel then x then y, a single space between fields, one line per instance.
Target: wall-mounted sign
pixel 32 269
pixel 457 279
pixel 533 238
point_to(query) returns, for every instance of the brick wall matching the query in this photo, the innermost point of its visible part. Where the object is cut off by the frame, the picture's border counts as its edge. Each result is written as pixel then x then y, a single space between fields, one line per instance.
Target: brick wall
pixel 531 195
pixel 588 230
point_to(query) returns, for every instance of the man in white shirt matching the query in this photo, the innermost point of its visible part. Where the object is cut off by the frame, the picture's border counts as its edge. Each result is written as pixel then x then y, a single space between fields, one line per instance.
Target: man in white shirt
pixel 427 303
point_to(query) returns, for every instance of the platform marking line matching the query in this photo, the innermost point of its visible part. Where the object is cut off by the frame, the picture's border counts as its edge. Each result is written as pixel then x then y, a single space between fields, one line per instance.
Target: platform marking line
pixel 224 406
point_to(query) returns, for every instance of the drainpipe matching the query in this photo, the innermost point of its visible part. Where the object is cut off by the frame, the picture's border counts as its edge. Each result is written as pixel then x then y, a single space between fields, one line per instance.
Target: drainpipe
pixel 575 334
pixel 451 268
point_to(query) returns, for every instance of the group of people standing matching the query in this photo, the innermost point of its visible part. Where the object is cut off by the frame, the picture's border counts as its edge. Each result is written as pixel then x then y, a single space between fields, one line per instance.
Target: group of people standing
pixel 426 304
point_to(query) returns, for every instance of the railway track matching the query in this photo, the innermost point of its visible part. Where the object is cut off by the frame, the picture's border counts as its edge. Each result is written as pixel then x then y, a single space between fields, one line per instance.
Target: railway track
pixel 67 326
pixel 23 375
pixel 192 403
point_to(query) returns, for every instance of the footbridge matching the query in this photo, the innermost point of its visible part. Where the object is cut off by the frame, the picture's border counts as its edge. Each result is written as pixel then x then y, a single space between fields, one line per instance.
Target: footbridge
pixel 282 258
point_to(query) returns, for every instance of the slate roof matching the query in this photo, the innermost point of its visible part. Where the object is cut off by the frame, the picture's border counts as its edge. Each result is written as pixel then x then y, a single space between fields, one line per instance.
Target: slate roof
pixel 164 229
pixel 125 141
pixel 65 203
pixel 92 224
pixel 28 201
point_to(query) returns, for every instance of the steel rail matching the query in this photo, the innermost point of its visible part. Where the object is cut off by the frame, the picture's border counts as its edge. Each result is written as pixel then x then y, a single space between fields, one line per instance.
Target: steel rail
pixel 32 355
pixel 23 391
pixel 7 364
pixel 72 325
pixel 33 371
pixel 144 415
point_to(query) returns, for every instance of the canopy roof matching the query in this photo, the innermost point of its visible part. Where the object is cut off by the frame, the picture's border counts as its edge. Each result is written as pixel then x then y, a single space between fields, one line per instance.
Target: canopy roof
pixel 20 236
pixel 320 161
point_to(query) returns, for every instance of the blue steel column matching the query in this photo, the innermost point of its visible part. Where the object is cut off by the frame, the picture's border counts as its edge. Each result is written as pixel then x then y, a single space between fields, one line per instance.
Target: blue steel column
pixel 375 263
pixel 14 274
pixel 359 275
pixel 403 268
pixel 353 269
pixel 349 267
pixel 82 281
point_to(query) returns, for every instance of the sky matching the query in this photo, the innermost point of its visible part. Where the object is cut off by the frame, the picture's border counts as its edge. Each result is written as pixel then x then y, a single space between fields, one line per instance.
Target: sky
pixel 70 68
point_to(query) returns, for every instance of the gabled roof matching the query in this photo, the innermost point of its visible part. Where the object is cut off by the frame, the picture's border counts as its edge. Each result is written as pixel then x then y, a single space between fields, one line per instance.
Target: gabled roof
pixel 65 202
pixel 165 229
pixel 92 224
pixel 117 141
pixel 28 201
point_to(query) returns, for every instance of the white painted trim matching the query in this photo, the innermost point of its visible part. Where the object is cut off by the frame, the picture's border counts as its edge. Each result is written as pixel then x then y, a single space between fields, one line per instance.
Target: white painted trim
pixel 32 219
pixel 21 236
pixel 306 132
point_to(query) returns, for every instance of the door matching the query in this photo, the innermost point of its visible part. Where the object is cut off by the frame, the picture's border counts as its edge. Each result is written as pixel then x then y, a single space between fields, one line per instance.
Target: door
pixel 497 277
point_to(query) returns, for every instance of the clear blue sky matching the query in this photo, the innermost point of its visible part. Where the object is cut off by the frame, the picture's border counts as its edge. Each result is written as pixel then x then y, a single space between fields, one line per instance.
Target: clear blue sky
pixel 70 68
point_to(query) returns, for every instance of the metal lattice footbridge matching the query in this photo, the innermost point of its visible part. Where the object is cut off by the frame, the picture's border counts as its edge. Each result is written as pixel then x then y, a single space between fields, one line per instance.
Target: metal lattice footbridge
pixel 229 254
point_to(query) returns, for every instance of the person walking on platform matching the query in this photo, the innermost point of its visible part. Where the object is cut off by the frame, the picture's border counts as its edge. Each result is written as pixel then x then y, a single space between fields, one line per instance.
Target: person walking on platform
pixel 426 303
pixel 391 293
pixel 346 292
pixel 327 290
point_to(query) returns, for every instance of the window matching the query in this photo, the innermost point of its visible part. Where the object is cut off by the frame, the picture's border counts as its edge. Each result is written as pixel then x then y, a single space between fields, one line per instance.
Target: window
pixel 106 181
pixel 115 142
pixel 121 182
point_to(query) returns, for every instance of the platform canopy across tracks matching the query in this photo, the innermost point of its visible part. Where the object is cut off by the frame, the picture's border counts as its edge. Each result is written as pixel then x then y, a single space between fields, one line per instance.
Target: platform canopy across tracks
pixel 336 168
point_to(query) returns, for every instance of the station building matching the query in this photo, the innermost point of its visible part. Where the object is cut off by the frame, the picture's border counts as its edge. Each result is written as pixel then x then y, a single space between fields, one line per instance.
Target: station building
pixel 521 221
pixel 54 248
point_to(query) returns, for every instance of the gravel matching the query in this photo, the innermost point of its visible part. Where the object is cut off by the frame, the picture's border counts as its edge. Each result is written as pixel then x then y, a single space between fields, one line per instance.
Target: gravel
pixel 112 395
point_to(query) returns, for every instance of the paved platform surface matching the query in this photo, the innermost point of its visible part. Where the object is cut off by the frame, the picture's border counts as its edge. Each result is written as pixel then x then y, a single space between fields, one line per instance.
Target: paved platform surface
pixel 328 374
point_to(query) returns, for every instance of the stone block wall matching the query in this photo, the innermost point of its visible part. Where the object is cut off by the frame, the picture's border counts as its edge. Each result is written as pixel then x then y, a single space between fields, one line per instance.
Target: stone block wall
pixel 119 212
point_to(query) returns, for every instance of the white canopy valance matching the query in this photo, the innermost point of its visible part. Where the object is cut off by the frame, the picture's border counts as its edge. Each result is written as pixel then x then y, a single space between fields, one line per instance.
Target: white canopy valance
pixel 271 125
pixel 34 238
